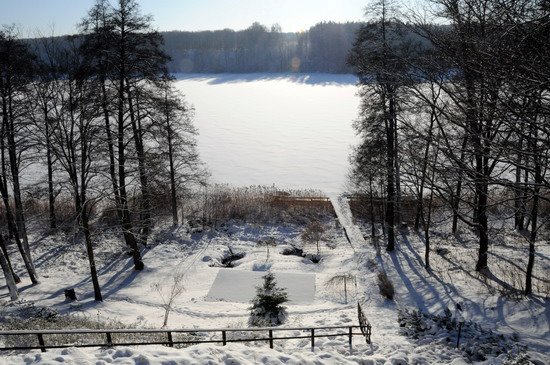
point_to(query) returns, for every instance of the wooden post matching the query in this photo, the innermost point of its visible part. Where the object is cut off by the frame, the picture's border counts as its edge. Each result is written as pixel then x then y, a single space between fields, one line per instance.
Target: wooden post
pixel 224 338
pixel 458 337
pixel 369 331
pixel 170 340
pixel 109 339
pixel 270 339
pixel 41 342
pixel 312 338
pixel 345 290
pixel 350 335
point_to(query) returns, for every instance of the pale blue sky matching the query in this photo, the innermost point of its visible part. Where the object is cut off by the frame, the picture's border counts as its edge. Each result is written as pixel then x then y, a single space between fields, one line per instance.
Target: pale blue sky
pixel 292 15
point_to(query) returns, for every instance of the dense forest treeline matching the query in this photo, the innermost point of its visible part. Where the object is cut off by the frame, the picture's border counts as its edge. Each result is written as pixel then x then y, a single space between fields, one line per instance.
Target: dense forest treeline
pixel 323 48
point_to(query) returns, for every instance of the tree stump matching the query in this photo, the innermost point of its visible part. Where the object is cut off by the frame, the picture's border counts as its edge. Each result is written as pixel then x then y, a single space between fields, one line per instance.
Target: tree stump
pixel 70 294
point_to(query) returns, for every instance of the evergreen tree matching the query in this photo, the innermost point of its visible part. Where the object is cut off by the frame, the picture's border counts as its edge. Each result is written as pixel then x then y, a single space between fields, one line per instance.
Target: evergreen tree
pixel 267 308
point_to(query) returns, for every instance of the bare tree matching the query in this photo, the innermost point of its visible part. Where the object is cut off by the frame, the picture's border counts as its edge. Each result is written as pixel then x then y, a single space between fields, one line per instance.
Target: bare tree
pixel 8 272
pixel 314 233
pixel 169 293
pixel 377 59
pixel 175 136
pixel 16 62
pixel 75 140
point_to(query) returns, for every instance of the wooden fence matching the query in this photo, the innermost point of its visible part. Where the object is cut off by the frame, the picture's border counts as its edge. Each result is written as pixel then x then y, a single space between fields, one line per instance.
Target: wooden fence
pixel 44 339
pixel 364 324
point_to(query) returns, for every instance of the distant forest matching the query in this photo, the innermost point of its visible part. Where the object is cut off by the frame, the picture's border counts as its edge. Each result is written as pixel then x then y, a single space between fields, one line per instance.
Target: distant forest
pixel 323 48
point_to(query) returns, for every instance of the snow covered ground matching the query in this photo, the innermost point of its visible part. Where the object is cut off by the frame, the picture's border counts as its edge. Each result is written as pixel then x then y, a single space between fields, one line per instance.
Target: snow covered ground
pixel 291 130
pixel 130 297
pixel 234 285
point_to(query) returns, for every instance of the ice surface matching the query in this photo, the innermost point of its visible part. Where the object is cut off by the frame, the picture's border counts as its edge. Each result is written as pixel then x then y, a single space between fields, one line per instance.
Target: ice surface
pixel 239 286
pixel 293 131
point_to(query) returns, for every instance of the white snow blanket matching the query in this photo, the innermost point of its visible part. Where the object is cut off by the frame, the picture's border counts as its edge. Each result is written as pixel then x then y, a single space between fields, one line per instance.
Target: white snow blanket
pixel 239 286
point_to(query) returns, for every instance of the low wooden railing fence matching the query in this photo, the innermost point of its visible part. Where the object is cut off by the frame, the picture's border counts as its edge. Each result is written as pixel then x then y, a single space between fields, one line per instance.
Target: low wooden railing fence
pixel 364 324
pixel 42 339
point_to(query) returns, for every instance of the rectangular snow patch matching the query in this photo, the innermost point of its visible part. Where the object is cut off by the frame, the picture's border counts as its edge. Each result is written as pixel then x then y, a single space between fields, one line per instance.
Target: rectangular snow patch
pixel 239 286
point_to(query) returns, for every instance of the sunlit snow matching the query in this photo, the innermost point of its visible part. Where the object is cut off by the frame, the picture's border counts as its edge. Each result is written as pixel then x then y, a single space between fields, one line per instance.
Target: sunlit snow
pixel 292 130
pixel 240 286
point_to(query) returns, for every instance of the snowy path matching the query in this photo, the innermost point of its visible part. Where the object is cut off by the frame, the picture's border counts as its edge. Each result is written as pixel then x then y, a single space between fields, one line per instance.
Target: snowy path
pixel 381 313
pixel 343 212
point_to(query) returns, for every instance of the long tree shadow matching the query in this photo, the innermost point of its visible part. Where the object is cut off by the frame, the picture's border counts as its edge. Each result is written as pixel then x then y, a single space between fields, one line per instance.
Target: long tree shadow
pixel 113 284
pixel 52 253
pixel 450 289
pixel 414 263
pixel 454 296
pixel 413 294
pixel 321 79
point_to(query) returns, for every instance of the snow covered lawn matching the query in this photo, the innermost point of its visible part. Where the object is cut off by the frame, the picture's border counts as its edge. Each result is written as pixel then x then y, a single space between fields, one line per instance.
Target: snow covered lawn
pixel 131 299
pixel 233 285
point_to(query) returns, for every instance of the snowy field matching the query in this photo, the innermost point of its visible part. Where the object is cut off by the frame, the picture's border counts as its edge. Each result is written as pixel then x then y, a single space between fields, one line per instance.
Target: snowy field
pixel 292 130
pixel 234 285
pixel 491 313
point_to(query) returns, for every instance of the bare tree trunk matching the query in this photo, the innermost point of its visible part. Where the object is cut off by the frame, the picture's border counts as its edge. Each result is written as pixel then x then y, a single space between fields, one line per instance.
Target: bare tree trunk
pixel 14 166
pixel 8 273
pixel 390 165
pixel 173 196
pixel 4 181
pixel 16 223
pixel 145 201
pixel 420 206
pixel 371 197
pixel 398 212
pixel 11 224
pixel 4 250
pixel 49 162
pixel 518 216
pixel 112 163
pixel 455 200
pixel 126 222
pixel 534 216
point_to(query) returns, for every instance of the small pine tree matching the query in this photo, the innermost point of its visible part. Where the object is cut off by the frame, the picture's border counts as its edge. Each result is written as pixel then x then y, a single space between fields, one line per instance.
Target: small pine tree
pixel 267 309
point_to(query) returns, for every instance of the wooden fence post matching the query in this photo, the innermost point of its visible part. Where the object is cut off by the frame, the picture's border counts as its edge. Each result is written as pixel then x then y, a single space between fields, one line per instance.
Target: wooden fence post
pixel 41 342
pixel 109 339
pixel 224 338
pixel 312 338
pixel 270 339
pixel 170 340
pixel 350 335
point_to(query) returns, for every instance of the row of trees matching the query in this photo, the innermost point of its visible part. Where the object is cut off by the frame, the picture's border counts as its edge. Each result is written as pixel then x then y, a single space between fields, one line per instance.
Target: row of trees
pixel 458 114
pixel 99 112
pixel 322 48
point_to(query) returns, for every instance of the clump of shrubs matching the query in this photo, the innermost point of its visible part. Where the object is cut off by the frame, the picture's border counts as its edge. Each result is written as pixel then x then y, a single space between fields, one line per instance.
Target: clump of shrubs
pixel 385 285
pixel 228 259
pixel 476 343
pixel 293 251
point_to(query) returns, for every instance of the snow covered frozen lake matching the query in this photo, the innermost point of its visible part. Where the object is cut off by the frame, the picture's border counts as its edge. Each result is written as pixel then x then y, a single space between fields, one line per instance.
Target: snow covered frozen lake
pixel 291 130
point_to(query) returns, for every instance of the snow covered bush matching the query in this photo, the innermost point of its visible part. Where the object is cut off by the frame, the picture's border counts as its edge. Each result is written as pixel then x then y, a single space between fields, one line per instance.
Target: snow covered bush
pixel 267 306
pixel 385 285
pixel 476 343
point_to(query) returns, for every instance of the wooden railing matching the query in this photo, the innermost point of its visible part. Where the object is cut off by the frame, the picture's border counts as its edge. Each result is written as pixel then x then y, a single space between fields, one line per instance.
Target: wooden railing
pixel 167 337
pixel 364 323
